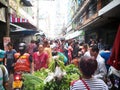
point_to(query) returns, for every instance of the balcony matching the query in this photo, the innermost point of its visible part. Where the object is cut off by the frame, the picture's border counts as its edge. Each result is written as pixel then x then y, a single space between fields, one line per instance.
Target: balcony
pixel 88 15
pixel 81 9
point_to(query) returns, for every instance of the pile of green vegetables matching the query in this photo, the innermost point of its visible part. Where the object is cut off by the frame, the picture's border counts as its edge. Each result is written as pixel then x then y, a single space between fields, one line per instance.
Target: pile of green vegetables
pixel 36 81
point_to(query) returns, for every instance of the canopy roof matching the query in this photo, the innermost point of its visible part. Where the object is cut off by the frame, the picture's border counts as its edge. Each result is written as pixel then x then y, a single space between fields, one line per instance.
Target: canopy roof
pixel 24 31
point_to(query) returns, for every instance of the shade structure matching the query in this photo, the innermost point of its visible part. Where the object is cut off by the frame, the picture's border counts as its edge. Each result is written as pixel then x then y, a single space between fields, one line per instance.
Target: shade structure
pixel 25 31
pixel 115 56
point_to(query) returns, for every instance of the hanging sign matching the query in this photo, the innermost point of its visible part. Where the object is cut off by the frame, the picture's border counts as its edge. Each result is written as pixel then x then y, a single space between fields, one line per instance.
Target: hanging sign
pixel 6 40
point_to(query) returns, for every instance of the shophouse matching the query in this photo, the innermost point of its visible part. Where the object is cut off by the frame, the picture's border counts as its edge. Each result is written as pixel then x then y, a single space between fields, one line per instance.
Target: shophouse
pixel 97 18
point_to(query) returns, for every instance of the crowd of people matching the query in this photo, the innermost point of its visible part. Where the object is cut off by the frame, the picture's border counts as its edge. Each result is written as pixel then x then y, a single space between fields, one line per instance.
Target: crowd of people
pixel 91 58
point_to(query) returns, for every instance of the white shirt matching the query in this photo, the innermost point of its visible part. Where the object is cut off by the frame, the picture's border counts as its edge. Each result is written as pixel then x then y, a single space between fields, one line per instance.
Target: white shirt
pixel 101 70
pixel 87 54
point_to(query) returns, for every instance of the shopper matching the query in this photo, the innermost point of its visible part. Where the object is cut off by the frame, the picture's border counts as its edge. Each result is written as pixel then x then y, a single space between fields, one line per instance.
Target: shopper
pixel 106 55
pixel 31 46
pixel 3 77
pixel 88 66
pixel 70 50
pixel 40 58
pixel 9 58
pixel 101 71
pixel 47 49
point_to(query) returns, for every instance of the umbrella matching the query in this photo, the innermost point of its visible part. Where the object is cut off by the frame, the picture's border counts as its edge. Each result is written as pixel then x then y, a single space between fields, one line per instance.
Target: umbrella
pixel 115 56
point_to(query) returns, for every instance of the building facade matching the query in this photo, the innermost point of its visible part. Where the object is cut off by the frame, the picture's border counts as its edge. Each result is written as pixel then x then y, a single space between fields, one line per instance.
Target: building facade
pixel 18 20
pixel 97 18
pixel 3 21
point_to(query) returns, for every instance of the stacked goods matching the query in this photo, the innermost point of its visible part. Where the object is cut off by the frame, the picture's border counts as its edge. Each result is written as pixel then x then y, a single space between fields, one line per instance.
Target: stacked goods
pixel 56 77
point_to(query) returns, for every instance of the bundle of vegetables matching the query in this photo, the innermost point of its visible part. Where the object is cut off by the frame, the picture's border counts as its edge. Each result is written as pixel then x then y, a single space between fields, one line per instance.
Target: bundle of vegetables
pixel 72 71
pixel 32 82
pixel 56 77
pixel 42 73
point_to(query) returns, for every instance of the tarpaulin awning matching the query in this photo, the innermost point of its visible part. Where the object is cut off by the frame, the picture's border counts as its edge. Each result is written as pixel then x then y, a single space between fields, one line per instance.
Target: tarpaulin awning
pixel 24 31
pixel 115 56
pixel 73 35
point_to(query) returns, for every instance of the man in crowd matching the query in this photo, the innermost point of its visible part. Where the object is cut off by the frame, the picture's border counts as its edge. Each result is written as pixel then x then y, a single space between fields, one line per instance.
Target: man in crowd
pixel 3 72
pixel 23 60
pixel 101 71
pixel 9 57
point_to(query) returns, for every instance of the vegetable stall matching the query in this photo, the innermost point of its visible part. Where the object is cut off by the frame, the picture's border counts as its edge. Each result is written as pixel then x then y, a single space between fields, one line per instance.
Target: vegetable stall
pixel 56 77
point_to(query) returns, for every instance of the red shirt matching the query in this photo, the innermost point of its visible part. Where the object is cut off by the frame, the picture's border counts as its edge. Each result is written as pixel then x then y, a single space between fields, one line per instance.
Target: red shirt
pixel 40 60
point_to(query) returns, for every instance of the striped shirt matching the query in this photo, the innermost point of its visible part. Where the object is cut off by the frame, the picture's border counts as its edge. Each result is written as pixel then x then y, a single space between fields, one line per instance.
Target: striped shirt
pixel 93 84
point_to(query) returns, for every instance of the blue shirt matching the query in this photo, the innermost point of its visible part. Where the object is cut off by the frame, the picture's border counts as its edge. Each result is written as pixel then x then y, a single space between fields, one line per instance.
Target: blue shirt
pixel 106 56
pixel 10 56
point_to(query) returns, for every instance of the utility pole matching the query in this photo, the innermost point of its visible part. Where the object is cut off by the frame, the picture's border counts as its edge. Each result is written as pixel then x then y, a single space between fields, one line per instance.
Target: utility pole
pixel 6 37
pixel 7 33
pixel 38 14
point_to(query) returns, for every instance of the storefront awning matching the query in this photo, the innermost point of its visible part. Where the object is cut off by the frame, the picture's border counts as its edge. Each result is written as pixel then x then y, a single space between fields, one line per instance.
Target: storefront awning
pixel 24 31
pixel 73 35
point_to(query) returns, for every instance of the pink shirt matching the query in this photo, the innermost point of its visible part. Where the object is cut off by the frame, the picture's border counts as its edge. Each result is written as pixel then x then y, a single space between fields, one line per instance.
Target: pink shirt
pixel 40 60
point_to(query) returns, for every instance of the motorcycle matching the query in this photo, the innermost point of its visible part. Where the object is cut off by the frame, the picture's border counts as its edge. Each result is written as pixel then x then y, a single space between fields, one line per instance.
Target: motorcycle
pixel 17 82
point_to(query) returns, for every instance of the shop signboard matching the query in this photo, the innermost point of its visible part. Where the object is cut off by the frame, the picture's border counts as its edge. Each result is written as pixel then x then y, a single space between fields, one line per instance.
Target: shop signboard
pixel 2 15
pixel 5 42
pixel 26 16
